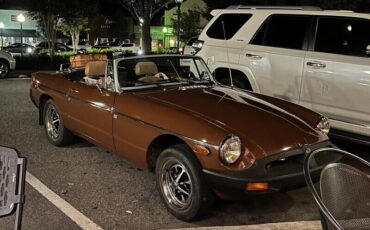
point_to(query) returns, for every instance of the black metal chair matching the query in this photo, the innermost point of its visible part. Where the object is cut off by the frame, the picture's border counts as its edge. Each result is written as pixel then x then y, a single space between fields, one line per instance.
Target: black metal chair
pixel 344 199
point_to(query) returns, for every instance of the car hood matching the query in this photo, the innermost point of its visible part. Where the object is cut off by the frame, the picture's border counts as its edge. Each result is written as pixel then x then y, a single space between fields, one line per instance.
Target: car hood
pixel 269 129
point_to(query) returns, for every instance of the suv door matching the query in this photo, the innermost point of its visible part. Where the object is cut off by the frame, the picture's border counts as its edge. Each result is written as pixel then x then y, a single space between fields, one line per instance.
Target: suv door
pixel 276 54
pixel 337 73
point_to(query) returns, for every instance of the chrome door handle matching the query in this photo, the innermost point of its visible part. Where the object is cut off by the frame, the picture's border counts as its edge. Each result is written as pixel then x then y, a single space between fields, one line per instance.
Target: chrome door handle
pixel 316 64
pixel 253 56
pixel 74 90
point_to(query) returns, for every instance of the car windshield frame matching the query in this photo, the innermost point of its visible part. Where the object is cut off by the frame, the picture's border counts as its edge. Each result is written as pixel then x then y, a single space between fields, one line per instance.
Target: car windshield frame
pixel 165 83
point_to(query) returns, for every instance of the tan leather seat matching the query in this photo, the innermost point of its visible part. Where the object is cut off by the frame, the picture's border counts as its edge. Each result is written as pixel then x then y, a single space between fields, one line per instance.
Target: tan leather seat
pixel 95 68
pixel 146 71
pixel 95 72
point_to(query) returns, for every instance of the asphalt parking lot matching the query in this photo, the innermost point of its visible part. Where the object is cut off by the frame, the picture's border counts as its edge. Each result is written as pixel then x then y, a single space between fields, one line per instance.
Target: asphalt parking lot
pixel 110 191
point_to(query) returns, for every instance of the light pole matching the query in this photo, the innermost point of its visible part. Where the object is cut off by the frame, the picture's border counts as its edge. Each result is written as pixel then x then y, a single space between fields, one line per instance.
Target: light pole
pixel 21 19
pixel 164 30
pixel 1 34
pixel 178 3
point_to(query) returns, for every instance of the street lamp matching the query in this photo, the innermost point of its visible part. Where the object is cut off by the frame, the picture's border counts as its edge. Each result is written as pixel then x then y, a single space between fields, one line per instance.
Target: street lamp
pixel 21 19
pixel 178 3
pixel 1 34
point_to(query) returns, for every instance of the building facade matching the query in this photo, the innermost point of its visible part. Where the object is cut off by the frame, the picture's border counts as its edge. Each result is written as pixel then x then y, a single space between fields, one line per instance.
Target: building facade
pixel 11 33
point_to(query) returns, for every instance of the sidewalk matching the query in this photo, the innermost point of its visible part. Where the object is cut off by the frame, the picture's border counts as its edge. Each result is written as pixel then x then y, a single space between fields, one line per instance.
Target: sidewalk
pixel 301 225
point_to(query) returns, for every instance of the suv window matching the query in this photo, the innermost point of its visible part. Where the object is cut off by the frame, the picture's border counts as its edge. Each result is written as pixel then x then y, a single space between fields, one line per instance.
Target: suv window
pixel 348 36
pixel 232 23
pixel 283 31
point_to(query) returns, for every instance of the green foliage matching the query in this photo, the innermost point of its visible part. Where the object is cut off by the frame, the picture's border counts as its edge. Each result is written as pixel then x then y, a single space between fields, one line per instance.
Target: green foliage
pixel 70 25
pixel 189 25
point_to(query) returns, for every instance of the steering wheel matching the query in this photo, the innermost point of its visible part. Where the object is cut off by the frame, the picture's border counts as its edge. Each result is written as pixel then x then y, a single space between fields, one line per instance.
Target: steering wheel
pixel 188 74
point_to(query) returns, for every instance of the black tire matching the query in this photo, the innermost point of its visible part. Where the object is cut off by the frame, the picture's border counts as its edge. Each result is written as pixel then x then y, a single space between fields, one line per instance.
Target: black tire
pixel 237 82
pixel 55 130
pixel 200 197
pixel 4 68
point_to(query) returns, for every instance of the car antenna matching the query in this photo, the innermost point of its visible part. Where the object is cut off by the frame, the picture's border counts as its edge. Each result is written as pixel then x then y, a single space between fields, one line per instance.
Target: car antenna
pixel 227 51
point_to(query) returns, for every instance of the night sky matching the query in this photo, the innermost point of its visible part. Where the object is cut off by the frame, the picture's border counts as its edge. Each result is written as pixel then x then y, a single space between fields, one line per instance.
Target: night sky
pixel 106 7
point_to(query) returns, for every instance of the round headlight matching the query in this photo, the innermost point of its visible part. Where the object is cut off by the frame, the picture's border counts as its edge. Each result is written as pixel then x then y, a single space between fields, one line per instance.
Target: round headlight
pixel 231 150
pixel 324 125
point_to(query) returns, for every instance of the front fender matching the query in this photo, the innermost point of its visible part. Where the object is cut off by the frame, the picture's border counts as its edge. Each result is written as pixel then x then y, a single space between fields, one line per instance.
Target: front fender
pixel 307 115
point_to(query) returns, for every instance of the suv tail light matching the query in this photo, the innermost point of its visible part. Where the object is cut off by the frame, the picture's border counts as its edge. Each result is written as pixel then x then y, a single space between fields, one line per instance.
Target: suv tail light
pixel 198 45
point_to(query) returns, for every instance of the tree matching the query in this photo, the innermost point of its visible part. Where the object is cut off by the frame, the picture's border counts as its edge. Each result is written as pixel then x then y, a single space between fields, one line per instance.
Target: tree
pixel 73 27
pixel 51 14
pixel 189 25
pixel 47 14
pixel 143 12
pixel 74 19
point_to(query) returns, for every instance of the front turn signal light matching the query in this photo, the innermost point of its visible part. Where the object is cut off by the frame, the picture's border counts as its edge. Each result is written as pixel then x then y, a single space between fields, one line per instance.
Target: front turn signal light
pixel 201 150
pixel 258 186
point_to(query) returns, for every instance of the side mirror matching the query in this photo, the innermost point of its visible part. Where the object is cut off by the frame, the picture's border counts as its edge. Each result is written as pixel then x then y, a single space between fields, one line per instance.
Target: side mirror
pixel 64 67
pixel 12 181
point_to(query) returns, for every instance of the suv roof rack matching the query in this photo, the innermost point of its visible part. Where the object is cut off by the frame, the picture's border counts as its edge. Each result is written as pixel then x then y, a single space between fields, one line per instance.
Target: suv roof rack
pixel 313 8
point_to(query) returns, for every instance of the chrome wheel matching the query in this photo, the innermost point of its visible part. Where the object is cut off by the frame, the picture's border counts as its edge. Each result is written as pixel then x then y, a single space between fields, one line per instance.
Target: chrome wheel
pixel 52 122
pixel 176 184
pixel 4 69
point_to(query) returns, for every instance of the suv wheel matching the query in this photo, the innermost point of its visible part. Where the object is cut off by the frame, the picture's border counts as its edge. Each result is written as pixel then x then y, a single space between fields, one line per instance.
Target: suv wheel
pixel 237 82
pixel 4 69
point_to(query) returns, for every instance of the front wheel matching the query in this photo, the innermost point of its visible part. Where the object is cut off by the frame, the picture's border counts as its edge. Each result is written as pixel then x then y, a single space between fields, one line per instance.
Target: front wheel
pixel 181 184
pixel 55 130
pixel 4 69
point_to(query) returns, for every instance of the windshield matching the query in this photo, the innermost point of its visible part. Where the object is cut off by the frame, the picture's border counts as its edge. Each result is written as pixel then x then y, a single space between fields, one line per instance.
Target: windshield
pixel 161 70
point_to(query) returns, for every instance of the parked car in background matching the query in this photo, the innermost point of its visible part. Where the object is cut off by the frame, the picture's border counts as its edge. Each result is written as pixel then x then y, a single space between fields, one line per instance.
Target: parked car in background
pixel 165 113
pixel 43 47
pixel 83 46
pixel 15 48
pixel 124 47
pixel 7 63
pixel 175 50
pixel 188 48
pixel 312 57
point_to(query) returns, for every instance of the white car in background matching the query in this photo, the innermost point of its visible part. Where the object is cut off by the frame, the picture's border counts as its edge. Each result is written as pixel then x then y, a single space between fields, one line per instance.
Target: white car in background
pixel 312 57
pixel 188 48
pixel 82 46
pixel 129 47
pixel 7 63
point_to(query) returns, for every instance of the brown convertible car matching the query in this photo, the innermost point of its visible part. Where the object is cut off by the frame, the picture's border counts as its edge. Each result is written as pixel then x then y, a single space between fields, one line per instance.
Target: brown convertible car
pixel 168 115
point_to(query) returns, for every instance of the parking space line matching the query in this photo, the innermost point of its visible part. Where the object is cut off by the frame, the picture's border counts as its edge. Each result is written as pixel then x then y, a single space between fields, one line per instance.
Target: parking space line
pixel 75 215
pixel 299 225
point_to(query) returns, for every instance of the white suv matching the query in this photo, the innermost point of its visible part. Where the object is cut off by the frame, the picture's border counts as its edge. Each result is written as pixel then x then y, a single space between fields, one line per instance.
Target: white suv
pixel 319 59
pixel 7 63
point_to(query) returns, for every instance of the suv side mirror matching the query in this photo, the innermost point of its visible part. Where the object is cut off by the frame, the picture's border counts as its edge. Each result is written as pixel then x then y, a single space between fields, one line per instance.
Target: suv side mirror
pixel 12 181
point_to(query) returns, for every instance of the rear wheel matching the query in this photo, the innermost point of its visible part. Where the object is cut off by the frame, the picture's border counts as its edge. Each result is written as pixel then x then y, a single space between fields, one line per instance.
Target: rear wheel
pixel 181 184
pixel 57 134
pixel 4 68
